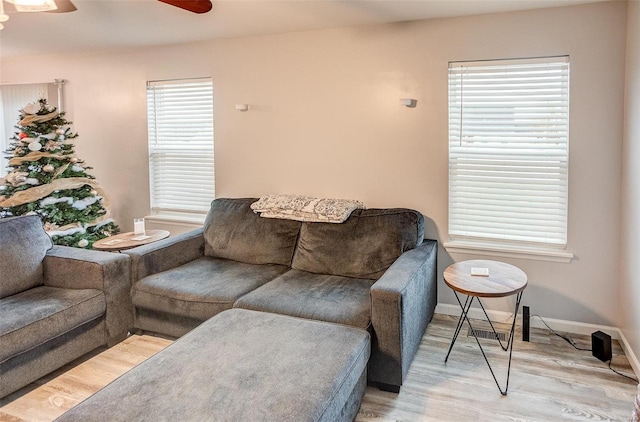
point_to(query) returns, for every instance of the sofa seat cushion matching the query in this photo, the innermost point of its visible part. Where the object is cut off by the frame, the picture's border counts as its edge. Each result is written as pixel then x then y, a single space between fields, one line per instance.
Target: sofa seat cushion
pixel 233 231
pixel 40 314
pixel 23 245
pixel 201 288
pixel 364 246
pixel 314 296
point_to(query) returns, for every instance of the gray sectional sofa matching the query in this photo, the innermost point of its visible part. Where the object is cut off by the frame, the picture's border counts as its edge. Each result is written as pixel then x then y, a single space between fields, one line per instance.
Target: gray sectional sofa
pixel 56 303
pixel 375 272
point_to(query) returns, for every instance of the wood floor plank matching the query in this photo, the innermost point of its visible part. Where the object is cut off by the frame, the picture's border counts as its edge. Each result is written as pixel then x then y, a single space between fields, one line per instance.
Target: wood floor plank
pixel 48 401
pixel 550 381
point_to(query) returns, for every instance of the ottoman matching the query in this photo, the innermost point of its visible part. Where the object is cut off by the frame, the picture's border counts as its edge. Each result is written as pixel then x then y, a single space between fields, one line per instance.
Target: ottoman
pixel 242 365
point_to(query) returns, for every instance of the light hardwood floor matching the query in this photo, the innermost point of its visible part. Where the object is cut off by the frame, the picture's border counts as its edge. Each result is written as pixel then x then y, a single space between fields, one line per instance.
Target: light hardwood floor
pixel 550 381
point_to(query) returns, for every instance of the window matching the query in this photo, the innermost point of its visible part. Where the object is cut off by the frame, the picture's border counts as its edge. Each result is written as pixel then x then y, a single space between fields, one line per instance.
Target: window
pixel 508 152
pixel 181 171
pixel 12 99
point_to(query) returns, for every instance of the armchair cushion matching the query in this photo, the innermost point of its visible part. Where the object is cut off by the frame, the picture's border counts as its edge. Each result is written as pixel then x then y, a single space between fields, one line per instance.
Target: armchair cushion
pixel 364 246
pixel 43 313
pixel 233 231
pixel 23 245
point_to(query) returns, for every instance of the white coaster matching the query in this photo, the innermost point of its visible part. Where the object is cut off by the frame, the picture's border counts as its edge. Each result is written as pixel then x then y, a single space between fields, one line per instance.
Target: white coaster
pixel 113 242
pixel 141 237
pixel 480 271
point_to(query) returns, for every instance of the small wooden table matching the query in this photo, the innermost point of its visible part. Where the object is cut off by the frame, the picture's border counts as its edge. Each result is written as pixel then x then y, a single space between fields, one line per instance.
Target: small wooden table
pixel 502 280
pixel 123 241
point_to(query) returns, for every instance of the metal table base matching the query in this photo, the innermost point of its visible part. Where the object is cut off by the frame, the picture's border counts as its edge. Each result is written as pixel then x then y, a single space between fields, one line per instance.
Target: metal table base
pixel 509 345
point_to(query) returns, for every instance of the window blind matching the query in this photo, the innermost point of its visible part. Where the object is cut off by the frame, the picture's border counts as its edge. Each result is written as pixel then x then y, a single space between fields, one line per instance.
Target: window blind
pixel 12 99
pixel 181 162
pixel 508 151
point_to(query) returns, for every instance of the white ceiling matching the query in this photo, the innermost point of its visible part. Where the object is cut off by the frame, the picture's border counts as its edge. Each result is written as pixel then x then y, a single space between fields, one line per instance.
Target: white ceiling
pixel 113 24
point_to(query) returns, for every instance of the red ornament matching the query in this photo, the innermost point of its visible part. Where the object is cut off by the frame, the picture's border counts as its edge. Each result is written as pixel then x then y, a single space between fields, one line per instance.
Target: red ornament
pixel 23 135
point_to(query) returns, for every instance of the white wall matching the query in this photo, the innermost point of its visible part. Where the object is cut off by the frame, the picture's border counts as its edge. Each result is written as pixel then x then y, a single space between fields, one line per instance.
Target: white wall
pixel 326 121
pixel 630 277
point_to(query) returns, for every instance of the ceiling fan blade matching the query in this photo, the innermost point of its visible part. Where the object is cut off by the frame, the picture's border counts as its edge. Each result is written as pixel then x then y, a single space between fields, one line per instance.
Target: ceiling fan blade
pixel 64 6
pixel 195 6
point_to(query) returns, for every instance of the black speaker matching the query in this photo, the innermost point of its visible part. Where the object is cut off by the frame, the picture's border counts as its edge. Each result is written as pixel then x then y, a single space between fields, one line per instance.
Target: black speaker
pixel 525 323
pixel 601 346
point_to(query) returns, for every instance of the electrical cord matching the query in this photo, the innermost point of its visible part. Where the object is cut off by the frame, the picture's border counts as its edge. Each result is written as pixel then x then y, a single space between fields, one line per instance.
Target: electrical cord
pixel 620 373
pixel 565 338
pixel 573 343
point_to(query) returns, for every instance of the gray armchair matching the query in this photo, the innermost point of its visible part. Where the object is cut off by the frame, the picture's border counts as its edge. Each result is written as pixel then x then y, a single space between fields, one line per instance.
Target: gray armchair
pixel 56 303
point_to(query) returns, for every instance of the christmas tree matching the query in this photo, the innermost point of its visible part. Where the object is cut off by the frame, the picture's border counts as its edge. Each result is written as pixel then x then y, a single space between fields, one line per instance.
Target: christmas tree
pixel 46 178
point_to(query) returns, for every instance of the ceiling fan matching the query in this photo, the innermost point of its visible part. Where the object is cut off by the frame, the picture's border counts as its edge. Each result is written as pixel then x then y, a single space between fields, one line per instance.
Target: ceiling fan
pixel 195 6
pixel 65 6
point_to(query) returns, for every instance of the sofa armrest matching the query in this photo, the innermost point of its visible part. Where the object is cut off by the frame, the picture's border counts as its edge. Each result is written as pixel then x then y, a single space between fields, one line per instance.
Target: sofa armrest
pixel 73 268
pixel 165 254
pixel 402 304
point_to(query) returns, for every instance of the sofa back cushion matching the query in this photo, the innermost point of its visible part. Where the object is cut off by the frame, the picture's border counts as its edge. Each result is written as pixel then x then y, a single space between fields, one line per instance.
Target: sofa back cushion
pixel 364 246
pixel 23 245
pixel 233 231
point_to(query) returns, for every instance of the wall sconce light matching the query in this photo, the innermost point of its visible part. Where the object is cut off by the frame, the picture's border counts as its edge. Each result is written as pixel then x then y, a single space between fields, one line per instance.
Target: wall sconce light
pixel 3 16
pixel 242 107
pixel 34 5
pixel 408 102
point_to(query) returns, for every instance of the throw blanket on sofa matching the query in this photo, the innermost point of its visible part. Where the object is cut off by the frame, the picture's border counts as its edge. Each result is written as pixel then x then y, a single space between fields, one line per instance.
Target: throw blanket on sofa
pixel 305 208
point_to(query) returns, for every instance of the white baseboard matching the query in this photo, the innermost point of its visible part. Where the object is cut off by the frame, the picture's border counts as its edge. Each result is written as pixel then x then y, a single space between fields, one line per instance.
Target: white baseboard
pixel 557 324
pixel 633 359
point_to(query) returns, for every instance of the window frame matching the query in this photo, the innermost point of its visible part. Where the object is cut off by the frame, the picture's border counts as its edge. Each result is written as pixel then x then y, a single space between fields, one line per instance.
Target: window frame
pixel 477 238
pixel 176 146
pixel 19 95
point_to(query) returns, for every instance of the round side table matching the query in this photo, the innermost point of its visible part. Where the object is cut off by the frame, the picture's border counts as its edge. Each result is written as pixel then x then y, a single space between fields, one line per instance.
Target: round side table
pixel 124 241
pixel 485 279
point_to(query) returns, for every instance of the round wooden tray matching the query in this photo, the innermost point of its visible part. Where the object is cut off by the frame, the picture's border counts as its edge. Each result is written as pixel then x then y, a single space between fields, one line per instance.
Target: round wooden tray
pixel 129 240
pixel 503 279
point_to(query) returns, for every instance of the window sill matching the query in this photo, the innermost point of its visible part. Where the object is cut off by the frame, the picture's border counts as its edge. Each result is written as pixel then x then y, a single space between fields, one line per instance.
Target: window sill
pixel 177 218
pixel 508 251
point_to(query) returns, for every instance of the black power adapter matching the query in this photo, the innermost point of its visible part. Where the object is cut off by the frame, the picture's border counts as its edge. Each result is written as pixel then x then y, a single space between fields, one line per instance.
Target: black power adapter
pixel 601 346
